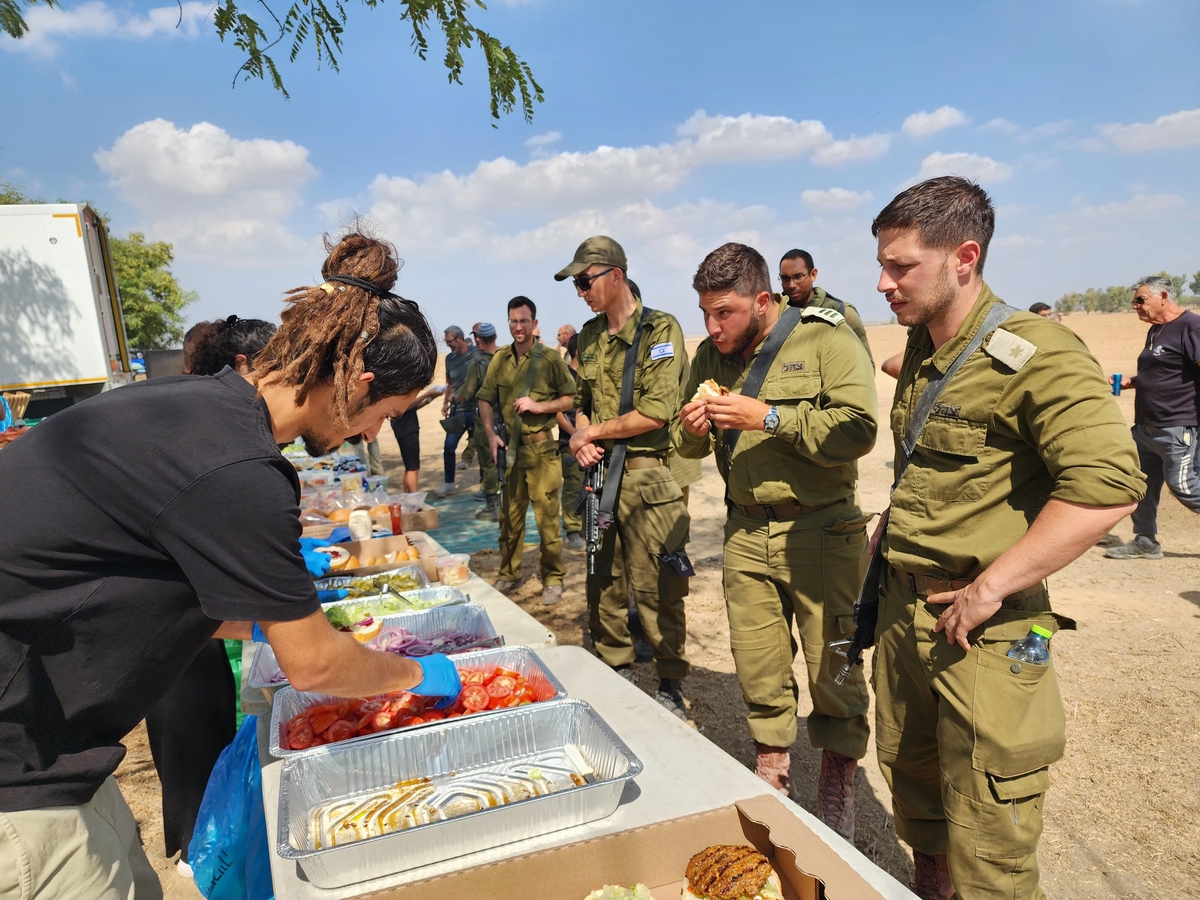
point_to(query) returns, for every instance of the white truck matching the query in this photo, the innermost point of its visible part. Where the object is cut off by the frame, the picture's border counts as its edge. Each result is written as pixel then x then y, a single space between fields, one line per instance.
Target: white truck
pixel 62 336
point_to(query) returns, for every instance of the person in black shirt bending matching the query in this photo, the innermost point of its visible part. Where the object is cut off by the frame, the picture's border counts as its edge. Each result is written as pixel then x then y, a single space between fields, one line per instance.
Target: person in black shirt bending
pixel 145 521
pixel 1165 411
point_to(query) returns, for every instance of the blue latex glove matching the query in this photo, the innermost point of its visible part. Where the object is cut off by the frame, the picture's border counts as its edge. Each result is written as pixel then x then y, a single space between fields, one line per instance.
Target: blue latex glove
pixel 316 563
pixel 340 535
pixel 333 595
pixel 257 634
pixel 441 680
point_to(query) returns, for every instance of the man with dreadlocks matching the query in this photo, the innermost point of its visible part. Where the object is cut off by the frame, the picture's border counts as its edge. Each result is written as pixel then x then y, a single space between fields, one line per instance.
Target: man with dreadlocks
pixel 181 524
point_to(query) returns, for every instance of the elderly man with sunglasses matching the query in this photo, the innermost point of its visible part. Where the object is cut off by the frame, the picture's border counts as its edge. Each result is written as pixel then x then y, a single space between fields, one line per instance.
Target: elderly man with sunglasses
pixel 644 545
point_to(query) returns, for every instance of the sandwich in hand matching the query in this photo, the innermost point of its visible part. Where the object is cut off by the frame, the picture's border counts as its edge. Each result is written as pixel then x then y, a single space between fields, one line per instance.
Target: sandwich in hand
pixel 730 872
pixel 709 389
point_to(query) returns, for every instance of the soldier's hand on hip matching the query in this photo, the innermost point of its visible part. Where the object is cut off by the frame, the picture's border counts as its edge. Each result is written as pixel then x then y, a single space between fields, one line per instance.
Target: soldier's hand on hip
pixel 969 606
pixel 694 417
pixel 736 411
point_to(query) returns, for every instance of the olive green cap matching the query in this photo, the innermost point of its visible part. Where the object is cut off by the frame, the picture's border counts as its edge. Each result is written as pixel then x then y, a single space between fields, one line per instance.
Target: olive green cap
pixel 1038 629
pixel 598 249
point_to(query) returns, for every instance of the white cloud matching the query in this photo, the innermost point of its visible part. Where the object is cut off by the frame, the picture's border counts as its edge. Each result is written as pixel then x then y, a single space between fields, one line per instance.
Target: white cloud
pixel 1181 129
pixel 214 195
pixel 749 137
pixel 923 124
pixel 853 149
pixel 49 26
pixel 836 199
pixel 1001 125
pixel 1050 129
pixel 543 140
pixel 968 165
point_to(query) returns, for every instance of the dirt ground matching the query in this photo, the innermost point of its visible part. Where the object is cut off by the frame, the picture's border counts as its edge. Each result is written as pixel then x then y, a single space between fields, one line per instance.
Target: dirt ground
pixel 1123 816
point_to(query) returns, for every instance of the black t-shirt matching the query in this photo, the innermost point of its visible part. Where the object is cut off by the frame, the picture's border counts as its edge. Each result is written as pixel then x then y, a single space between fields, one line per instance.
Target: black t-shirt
pixel 1167 374
pixel 408 423
pixel 132 525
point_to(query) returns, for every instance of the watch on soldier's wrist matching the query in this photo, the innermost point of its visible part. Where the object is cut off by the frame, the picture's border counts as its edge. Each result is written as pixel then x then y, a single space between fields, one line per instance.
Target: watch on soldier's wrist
pixel 771 420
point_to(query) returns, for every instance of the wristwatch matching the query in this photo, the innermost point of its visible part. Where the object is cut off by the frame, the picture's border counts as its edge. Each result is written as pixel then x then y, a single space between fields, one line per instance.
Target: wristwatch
pixel 771 420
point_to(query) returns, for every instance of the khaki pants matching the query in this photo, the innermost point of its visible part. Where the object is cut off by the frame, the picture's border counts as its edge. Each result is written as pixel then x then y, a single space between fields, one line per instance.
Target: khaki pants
pixel 572 485
pixel 808 568
pixel 534 478
pixel 650 520
pixel 965 740
pixel 488 482
pixel 89 852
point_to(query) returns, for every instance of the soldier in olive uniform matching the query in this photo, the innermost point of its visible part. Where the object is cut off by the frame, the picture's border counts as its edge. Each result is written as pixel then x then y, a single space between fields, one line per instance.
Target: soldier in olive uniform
pixel 795 537
pixel 1023 465
pixel 484 334
pixel 528 385
pixel 797 275
pixel 650 518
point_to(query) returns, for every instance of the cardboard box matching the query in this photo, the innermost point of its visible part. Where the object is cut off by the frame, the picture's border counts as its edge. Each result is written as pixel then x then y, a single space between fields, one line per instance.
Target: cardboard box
pixel 424 519
pixel 657 856
pixel 380 546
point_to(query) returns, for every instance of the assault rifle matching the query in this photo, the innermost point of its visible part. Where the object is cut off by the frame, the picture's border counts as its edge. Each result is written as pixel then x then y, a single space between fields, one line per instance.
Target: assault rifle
pixel 589 504
pixel 501 429
pixel 866 612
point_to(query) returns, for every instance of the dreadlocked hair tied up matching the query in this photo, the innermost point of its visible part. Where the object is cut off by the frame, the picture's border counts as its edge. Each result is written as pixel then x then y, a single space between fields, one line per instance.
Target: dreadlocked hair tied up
pixel 334 332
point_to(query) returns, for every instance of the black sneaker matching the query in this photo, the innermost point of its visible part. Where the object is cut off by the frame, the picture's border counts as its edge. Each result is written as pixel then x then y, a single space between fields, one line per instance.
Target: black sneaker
pixel 670 695
pixel 1141 547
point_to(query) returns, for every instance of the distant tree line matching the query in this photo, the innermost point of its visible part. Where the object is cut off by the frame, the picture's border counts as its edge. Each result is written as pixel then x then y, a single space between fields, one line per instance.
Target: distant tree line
pixel 1117 298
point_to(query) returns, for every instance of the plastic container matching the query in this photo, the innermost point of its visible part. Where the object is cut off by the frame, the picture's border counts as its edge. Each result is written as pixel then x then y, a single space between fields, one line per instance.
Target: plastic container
pixel 1033 648
pixel 454 568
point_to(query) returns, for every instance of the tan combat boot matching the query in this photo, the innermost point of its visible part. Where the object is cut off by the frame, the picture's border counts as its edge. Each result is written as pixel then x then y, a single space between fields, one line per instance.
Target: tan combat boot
pixel 835 793
pixel 932 877
pixel 774 766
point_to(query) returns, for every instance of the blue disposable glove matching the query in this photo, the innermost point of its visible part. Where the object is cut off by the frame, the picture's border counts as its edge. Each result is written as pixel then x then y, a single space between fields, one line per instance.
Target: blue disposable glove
pixel 257 635
pixel 316 563
pixel 441 680
pixel 340 535
pixel 333 595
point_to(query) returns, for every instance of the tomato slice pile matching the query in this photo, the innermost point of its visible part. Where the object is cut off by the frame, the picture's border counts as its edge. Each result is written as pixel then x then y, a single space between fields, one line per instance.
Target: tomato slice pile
pixel 330 723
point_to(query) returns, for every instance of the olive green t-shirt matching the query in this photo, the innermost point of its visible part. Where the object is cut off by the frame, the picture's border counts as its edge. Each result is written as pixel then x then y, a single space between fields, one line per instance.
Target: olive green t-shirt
pixel 505 382
pixel 475 375
pixel 1028 417
pixel 657 375
pixel 823 385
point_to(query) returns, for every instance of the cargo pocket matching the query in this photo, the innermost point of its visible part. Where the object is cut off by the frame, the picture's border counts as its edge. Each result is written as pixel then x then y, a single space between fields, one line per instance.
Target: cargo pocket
pixel 843 551
pixel 763 669
pixel 663 513
pixel 1017 715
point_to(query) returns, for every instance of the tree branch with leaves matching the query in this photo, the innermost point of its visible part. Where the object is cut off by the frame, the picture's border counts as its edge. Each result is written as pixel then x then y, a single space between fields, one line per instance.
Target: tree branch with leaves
pixel 320 25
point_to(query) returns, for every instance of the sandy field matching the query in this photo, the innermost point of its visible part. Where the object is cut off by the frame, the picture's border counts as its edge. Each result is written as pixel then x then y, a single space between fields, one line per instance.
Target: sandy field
pixel 1123 815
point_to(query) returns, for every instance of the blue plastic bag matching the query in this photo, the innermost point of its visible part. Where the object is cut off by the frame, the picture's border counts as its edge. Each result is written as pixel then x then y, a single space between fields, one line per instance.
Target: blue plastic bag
pixel 228 853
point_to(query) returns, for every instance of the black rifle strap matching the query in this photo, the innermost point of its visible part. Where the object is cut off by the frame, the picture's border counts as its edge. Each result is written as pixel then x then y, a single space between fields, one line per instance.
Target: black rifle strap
pixel 784 326
pixel 616 463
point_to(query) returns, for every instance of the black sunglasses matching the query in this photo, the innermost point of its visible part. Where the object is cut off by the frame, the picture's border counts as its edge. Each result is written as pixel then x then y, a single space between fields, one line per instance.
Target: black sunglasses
pixel 584 282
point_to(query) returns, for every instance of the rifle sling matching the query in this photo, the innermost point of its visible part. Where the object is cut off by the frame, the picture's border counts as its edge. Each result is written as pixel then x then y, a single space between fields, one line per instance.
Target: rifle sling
pixel 616 464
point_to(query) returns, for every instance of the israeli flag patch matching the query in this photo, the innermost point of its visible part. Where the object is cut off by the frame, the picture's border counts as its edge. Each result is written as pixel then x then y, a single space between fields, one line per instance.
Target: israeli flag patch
pixel 662 351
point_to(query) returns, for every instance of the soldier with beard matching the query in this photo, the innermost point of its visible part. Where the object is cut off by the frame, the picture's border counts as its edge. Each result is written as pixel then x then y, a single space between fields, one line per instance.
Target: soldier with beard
pixel 794 537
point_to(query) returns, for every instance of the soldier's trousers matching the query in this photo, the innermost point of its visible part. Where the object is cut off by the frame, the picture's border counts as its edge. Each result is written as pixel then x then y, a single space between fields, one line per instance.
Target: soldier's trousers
pixel 651 520
pixel 534 478
pixel 808 568
pixel 965 739
pixel 572 485
pixel 488 482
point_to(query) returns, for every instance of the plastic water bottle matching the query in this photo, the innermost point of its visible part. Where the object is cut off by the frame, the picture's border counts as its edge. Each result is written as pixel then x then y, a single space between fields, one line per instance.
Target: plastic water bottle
pixel 1033 648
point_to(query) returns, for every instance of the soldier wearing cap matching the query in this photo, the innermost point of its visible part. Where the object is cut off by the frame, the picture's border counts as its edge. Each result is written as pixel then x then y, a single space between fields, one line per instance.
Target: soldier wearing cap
pixel 797 277
pixel 528 385
pixel 1024 463
pixel 794 537
pixel 484 334
pixel 645 545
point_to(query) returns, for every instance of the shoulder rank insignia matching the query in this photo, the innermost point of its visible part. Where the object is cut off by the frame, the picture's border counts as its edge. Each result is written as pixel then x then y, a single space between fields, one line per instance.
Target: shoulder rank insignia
pixel 828 316
pixel 1009 349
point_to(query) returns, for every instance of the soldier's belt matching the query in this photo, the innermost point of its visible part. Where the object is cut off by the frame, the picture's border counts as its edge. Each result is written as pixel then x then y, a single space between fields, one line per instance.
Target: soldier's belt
pixel 644 462
pixel 527 439
pixel 787 509
pixel 924 585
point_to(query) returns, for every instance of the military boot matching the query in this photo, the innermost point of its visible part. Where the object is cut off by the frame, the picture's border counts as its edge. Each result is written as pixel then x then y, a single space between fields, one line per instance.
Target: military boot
pixel 835 793
pixel 931 879
pixel 488 512
pixel 774 766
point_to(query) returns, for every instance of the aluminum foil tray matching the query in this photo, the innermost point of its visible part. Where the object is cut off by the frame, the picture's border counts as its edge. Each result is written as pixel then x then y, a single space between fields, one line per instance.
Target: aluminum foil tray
pixel 290 702
pixel 460 761
pixel 266 676
pixel 341 581
pixel 437 596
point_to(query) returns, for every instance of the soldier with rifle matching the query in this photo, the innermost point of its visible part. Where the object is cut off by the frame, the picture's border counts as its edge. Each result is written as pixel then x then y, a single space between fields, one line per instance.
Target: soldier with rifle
pixel 526 386
pixel 794 411
pixel 630 360
pixel 1012 459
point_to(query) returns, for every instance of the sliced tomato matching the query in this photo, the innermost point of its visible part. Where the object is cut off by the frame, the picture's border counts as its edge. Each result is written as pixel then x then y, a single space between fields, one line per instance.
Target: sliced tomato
pixel 407 705
pixel 500 673
pixel 453 714
pixel 501 687
pixel 474 697
pixel 471 677
pixel 433 715
pixel 525 693
pixel 509 700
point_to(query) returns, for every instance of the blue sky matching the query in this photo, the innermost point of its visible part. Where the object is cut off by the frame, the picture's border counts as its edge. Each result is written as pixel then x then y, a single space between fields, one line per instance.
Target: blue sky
pixel 671 126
